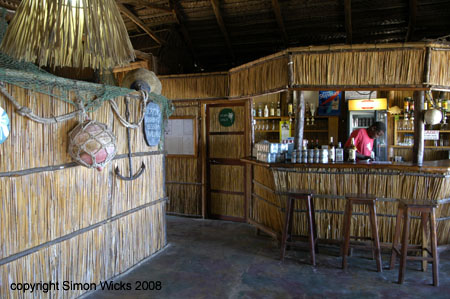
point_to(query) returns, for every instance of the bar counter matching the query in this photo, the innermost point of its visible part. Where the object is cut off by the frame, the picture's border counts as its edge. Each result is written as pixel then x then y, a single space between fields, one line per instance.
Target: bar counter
pixel 428 183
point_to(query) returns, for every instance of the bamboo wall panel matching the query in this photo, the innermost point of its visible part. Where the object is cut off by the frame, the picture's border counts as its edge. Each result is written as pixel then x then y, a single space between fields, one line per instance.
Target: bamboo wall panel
pixel 90 257
pixel 182 170
pixel 47 209
pixel 227 177
pixel 226 146
pixel 359 67
pixel 126 195
pixel 238 125
pixel 195 86
pixel 184 199
pixel 182 174
pixel 440 68
pixel 227 205
pixel 385 184
pixel 41 207
pixel 260 76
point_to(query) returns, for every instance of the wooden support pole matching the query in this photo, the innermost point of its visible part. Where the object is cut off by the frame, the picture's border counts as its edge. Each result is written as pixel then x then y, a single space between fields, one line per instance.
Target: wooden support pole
pixel 299 119
pixel 419 127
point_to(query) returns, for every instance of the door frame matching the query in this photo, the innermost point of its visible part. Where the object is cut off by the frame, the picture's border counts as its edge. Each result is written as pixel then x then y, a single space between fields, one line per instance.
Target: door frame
pixel 246 103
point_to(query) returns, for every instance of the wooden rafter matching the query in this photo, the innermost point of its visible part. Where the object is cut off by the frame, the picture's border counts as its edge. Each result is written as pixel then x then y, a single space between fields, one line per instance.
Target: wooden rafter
pixel 139 23
pixel 146 4
pixel 412 19
pixel 348 20
pixel 177 14
pixel 216 8
pixel 277 11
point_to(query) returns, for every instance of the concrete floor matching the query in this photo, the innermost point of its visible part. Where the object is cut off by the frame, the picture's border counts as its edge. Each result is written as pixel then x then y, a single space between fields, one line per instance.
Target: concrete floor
pixel 219 259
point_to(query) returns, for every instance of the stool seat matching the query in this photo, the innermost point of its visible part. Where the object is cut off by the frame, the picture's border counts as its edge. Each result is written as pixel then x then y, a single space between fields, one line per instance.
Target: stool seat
pixel 286 238
pixel 368 200
pixel 427 212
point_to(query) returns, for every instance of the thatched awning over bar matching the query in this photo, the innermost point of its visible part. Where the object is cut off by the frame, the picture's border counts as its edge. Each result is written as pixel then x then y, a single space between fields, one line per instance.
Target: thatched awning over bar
pixel 407 66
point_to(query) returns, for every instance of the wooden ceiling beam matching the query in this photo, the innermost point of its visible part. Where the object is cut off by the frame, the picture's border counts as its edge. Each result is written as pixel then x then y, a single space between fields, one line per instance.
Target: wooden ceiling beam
pixel 348 20
pixel 412 20
pixel 146 4
pixel 178 15
pixel 216 8
pixel 277 11
pixel 139 23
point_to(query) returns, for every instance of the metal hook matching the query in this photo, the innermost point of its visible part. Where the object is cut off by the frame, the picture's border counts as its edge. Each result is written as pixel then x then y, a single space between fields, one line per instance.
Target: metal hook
pixel 141 170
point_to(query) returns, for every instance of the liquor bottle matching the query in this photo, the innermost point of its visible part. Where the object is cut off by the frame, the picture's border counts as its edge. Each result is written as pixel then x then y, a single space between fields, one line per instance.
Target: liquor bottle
pixel 316 145
pixel 339 153
pixel 352 151
pixel 278 108
pixel 266 111
pixel 406 105
pixel 260 110
pixel 425 105
pixel 311 144
pixel 411 105
pixel 290 111
pixel 272 109
pixel 331 151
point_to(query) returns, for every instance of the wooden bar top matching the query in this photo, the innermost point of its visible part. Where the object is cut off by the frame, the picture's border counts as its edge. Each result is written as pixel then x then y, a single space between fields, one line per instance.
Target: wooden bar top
pixel 432 167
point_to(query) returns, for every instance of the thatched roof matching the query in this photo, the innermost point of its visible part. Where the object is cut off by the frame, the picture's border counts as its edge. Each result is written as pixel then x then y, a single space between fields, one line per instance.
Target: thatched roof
pixel 215 35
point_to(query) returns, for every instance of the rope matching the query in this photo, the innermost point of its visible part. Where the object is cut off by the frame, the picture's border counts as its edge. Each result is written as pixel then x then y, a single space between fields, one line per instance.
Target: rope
pixel 25 111
pixel 143 99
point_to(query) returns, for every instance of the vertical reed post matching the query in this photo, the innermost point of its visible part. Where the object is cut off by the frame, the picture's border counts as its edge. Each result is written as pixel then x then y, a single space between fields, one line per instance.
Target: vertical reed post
pixel 290 71
pixel 299 119
pixel 419 127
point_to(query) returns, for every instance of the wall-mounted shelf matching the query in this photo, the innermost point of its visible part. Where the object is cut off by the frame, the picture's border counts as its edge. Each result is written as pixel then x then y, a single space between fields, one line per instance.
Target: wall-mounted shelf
pixel 431 147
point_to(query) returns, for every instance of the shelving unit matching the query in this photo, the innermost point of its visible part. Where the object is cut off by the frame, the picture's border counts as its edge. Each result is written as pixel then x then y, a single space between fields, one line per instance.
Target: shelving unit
pixel 428 143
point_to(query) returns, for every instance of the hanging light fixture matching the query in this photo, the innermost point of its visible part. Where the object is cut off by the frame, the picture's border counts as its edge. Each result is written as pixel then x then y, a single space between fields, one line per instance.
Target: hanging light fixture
pixel 69 33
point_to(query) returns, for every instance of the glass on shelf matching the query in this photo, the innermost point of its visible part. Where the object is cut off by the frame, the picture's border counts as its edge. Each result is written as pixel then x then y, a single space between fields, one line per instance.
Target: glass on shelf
pixel 267 125
pixel 274 125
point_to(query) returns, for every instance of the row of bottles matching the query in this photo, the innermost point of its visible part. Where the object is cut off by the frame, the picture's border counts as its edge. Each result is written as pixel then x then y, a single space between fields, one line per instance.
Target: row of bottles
pixel 312 152
pixel 267 110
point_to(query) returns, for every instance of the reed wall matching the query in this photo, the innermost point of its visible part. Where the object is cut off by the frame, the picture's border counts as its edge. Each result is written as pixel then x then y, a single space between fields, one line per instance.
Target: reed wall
pixel 258 77
pixel 360 65
pixel 60 221
pixel 183 174
pixel 440 66
pixel 330 186
pixel 195 86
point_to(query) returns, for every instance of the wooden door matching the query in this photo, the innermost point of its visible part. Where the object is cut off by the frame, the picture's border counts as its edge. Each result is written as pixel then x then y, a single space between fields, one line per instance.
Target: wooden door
pixel 225 145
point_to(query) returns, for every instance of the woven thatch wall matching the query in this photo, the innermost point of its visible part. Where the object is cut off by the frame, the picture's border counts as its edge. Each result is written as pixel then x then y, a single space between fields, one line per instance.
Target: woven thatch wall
pixel 183 174
pixel 195 86
pixel 440 66
pixel 329 204
pixel 260 76
pixel 70 220
pixel 358 66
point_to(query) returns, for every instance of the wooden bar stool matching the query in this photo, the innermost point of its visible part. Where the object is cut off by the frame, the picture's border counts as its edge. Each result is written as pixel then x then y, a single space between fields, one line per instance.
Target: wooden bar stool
pixel 286 238
pixel 427 212
pixel 369 201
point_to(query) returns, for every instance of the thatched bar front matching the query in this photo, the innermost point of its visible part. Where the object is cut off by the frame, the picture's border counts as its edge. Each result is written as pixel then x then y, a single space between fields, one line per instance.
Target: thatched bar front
pixel 330 183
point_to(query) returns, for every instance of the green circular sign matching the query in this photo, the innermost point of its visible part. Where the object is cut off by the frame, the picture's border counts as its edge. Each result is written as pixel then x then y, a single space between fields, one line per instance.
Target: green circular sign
pixel 226 117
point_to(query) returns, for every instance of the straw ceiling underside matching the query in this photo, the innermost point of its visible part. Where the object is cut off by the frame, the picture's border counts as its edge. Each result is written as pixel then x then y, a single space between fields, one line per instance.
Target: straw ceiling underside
pixel 338 183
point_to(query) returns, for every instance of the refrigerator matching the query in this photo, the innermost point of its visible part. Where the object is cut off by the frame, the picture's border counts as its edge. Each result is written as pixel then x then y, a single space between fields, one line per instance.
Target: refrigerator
pixel 363 114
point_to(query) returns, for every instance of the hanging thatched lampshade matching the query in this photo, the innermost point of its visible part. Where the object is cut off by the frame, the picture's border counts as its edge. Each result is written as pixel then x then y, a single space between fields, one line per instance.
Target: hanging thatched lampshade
pixel 69 33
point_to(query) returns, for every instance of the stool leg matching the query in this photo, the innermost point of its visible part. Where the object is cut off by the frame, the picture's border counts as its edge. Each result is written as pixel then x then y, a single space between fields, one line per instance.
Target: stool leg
pixel 375 236
pixel 404 252
pixel 396 237
pixel 316 247
pixel 311 232
pixel 346 241
pixel 434 248
pixel 424 240
pixel 286 230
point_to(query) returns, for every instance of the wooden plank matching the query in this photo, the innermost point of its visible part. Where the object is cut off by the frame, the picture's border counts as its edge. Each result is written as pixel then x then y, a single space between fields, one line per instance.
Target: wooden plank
pixel 131 66
pixel 146 4
pixel 216 8
pixel 139 22
pixel 412 20
pixel 348 20
pixel 419 127
pixel 279 17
